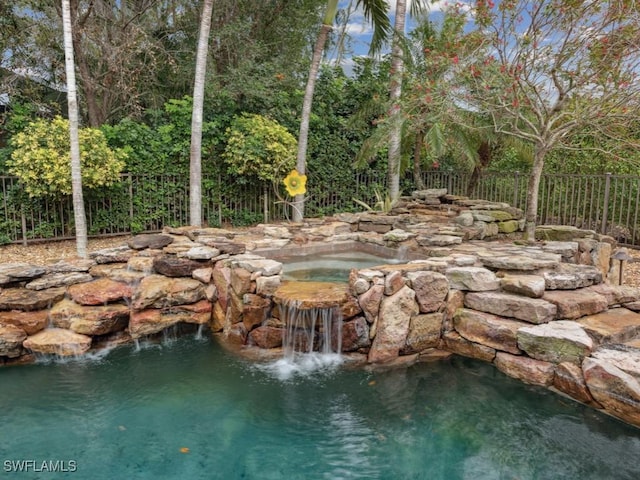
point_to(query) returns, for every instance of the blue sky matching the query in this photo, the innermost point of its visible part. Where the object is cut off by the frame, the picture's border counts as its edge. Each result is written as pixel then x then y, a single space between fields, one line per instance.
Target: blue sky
pixel 359 30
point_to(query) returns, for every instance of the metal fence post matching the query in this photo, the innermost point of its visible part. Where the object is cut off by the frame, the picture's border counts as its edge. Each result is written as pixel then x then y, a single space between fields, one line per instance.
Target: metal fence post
pixel 605 210
pixel 516 188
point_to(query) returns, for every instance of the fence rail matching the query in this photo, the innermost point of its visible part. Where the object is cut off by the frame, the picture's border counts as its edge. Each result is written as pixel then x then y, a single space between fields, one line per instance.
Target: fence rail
pixel 143 203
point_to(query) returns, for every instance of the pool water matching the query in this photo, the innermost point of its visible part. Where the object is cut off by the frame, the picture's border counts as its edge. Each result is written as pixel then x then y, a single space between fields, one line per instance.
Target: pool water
pixel 329 267
pixel 190 410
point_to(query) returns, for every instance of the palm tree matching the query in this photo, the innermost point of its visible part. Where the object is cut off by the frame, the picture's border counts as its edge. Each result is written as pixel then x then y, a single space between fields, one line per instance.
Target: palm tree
pixel 376 12
pixel 195 165
pixel 72 99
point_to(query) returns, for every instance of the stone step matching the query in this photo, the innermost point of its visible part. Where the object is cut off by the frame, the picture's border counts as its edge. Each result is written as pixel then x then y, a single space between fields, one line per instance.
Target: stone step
pixel 618 325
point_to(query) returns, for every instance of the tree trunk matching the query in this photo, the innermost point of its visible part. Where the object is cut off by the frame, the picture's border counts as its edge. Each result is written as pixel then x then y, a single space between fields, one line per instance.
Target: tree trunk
pixel 195 165
pixel 303 137
pixel 72 99
pixel 395 90
pixel 532 193
pixel 484 159
pixel 417 161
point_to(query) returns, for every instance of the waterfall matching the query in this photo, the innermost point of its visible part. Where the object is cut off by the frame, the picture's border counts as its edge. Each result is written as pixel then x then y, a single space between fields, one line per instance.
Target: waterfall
pixel 311 330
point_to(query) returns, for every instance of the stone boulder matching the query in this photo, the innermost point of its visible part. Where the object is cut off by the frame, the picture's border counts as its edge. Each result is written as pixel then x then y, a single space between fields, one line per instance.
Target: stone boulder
pixel 53 280
pixel 424 332
pixel 528 285
pixel 113 255
pixel 576 303
pixel 393 325
pixel 355 335
pixel 157 291
pixel 487 329
pixel 568 379
pixel 617 325
pixel 455 343
pixel 370 302
pixel 266 337
pixel 431 290
pixel 527 370
pixel 520 262
pixel 100 292
pixel 152 241
pixel 30 322
pixel 171 266
pixel 11 338
pixel 556 342
pixel 89 320
pixel 567 276
pixel 532 310
pixel 474 279
pixel 58 341
pixel 614 388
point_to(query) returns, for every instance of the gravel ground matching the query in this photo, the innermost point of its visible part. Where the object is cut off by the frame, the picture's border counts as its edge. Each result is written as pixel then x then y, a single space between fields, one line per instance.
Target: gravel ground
pixel 49 252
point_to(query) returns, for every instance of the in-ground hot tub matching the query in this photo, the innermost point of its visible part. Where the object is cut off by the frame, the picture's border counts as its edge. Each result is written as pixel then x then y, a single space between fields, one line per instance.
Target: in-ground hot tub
pixel 332 263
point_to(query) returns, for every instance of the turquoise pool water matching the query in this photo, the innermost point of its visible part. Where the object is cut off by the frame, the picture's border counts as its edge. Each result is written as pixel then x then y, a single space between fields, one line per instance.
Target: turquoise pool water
pixel 129 414
pixel 329 267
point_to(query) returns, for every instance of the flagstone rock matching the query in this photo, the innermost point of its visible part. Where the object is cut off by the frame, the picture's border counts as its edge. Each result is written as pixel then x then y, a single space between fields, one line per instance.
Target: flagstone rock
pixel 100 292
pixel 112 255
pixel 267 286
pixel 240 281
pixel 149 322
pixel 475 279
pixel 532 310
pixel 71 265
pixel 439 240
pixel 89 320
pixel 576 303
pixel 154 241
pixel 11 338
pixel 203 274
pixel 200 252
pixel 18 272
pixel 58 341
pixel 266 267
pixel 431 290
pixel 487 329
pixel 617 325
pixel 222 280
pixel 453 342
pixel 616 294
pixel 157 291
pixel 624 357
pixel 58 280
pixel 398 235
pixel 29 300
pixel 141 264
pixel 527 370
pixel 31 322
pixel 393 325
pixel 567 276
pixel 532 286
pixel 520 262
pixel 562 233
pixel 557 342
pixel 255 310
pixel 118 272
pixel 568 379
pixel 393 282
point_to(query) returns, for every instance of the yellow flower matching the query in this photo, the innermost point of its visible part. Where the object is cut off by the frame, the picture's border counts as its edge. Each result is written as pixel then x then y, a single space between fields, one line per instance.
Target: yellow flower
pixel 295 183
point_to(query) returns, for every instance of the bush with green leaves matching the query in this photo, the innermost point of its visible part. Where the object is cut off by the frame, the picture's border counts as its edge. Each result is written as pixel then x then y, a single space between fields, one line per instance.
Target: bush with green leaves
pixel 259 147
pixel 41 158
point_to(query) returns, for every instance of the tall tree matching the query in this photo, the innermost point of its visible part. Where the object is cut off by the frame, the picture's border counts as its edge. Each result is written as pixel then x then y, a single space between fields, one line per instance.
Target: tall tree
pixel 376 12
pixel 72 100
pixel 195 166
pixel 554 69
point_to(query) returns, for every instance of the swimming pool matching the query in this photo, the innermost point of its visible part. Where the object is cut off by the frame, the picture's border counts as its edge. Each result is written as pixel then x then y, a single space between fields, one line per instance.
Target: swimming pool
pixel 189 409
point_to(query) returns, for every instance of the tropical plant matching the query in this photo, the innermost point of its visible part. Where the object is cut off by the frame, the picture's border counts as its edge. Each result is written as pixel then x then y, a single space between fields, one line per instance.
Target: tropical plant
pixel 259 147
pixel 41 158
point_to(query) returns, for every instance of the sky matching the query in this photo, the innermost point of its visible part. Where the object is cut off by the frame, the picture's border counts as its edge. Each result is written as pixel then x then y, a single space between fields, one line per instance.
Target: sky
pixel 359 30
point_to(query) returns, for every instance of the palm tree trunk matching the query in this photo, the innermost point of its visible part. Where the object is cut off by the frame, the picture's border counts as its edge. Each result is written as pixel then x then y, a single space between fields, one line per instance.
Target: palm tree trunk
pixel 72 99
pixel 195 164
pixel 532 193
pixel 303 137
pixel 395 91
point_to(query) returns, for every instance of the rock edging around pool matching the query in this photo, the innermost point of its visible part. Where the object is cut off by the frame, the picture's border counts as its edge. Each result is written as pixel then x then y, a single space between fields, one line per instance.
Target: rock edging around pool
pixel 543 314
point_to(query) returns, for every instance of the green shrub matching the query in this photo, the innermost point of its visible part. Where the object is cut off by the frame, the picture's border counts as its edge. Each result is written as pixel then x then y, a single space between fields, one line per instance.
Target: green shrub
pixel 259 147
pixel 41 158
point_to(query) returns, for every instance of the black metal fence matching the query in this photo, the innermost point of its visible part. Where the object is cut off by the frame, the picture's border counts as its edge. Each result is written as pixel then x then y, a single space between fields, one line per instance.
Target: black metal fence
pixel 143 203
